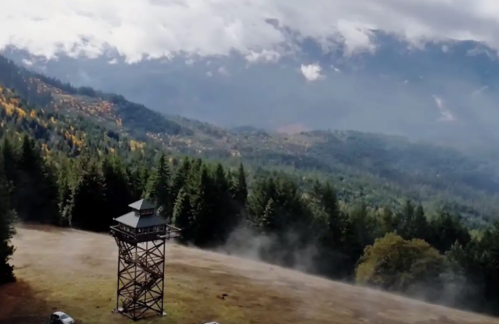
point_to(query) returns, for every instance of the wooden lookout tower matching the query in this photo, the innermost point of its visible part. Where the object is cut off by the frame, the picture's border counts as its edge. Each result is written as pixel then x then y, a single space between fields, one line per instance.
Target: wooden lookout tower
pixel 141 235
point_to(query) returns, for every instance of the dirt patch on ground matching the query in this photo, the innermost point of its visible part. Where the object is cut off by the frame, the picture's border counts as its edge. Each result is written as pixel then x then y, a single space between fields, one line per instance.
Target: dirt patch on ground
pixel 75 271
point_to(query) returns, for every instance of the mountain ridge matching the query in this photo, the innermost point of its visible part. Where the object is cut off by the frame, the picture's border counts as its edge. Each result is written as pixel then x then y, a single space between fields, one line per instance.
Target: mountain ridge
pixel 443 91
pixel 381 169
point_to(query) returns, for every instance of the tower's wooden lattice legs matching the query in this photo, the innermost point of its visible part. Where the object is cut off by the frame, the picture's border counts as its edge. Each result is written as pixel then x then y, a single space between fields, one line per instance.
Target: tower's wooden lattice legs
pixel 140 278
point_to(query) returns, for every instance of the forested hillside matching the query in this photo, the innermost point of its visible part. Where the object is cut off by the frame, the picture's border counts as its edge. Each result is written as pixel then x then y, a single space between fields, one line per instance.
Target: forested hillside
pixel 80 169
pixel 371 168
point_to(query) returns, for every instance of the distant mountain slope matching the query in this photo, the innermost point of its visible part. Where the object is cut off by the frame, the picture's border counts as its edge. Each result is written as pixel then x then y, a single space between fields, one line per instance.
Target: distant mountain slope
pixel 441 90
pixel 379 169
pixel 113 109
pixel 59 133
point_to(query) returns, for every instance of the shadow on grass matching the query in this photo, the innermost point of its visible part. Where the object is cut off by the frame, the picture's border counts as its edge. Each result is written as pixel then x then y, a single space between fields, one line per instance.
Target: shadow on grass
pixel 21 304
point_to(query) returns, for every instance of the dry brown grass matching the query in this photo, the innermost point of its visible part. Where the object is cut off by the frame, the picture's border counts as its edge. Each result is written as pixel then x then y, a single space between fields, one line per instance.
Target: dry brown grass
pixel 75 271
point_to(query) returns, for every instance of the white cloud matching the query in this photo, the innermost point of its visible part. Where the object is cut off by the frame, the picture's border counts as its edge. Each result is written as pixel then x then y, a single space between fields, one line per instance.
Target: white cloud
pixel 27 62
pixel 311 72
pixel 445 114
pixel 223 71
pixel 266 56
pixel 162 28
pixel 335 69
pixel 480 91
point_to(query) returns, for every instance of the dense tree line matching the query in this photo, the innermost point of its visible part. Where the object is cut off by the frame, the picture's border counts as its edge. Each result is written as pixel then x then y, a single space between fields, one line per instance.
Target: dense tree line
pixel 6 228
pixel 372 168
pixel 432 256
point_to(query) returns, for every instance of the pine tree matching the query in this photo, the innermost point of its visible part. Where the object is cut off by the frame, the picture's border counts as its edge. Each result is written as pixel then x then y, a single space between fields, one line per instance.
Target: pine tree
pixel 11 160
pixel 257 201
pixel 89 202
pixel 493 242
pixel 36 192
pixel 181 177
pixel 136 181
pixel 406 221
pixel 267 220
pixel 182 216
pixel 240 188
pixel 160 188
pixel 420 224
pixel 446 230
pixel 65 201
pixel 27 199
pixel 50 194
pixel 388 222
pixel 117 188
pixel 203 209
pixel 335 222
pixel 6 230
pixel 363 226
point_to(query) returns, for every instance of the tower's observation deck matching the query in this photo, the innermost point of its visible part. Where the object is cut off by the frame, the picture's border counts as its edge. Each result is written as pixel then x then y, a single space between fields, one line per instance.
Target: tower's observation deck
pixel 141 236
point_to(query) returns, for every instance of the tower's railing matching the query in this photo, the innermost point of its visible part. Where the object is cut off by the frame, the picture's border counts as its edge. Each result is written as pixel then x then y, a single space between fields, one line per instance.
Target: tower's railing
pixel 170 232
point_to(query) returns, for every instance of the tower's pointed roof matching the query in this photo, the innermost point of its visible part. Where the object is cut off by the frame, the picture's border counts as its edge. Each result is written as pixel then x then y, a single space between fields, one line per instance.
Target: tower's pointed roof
pixel 133 220
pixel 136 220
pixel 141 205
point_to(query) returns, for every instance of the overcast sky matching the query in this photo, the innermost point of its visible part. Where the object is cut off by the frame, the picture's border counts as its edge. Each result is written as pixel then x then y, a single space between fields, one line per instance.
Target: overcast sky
pixel 214 27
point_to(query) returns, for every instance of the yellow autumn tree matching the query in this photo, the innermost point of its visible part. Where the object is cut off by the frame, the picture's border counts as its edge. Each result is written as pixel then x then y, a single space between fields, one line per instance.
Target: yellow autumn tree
pixel 394 264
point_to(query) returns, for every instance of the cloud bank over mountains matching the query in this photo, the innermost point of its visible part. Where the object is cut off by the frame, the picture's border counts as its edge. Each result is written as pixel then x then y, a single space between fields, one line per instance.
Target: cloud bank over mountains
pixel 260 30
pixel 407 67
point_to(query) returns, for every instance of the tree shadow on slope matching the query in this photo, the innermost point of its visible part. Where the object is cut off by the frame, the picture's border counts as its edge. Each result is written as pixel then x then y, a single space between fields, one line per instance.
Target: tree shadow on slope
pixel 21 304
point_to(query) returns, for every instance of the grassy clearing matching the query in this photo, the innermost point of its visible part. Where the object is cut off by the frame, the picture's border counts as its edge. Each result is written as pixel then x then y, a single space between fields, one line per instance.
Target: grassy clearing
pixel 75 272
